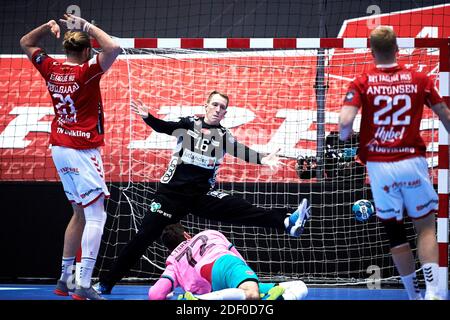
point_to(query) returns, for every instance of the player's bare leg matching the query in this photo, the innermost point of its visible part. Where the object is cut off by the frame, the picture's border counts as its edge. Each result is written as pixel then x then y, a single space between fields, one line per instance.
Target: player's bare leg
pixel 405 263
pixel 74 232
pixel 72 242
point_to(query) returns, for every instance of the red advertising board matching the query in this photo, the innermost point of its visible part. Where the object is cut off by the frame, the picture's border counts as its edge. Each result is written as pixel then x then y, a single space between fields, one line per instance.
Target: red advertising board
pixel 272 104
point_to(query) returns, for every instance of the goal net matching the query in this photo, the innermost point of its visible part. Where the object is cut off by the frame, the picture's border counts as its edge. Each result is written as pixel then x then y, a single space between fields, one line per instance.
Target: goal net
pixel 279 98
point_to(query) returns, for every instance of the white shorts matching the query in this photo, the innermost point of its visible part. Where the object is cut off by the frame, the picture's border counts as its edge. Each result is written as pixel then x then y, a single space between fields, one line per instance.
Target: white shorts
pixel 81 173
pixel 402 185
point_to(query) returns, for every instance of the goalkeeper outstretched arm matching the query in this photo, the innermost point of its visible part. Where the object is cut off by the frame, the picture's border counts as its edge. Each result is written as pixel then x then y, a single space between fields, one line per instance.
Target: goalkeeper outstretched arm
pixel 247 154
pixel 161 126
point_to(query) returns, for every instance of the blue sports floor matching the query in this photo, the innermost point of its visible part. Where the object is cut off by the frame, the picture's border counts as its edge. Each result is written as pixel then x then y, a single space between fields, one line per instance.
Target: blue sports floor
pixel 139 292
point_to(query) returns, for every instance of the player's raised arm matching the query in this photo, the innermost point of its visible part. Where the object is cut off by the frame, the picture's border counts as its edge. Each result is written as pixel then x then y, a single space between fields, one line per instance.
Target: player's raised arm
pixel 140 108
pixel 110 49
pixel 29 42
pixel 167 127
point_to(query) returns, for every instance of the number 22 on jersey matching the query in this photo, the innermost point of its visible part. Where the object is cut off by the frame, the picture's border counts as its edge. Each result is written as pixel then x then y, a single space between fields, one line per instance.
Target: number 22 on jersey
pixel 383 116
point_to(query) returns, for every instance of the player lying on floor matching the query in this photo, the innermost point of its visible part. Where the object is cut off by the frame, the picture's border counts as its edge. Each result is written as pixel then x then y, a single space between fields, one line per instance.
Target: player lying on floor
pixel 208 267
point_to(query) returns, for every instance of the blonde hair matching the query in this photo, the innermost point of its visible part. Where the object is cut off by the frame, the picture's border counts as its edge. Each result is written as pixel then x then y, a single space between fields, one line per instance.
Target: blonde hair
pixel 383 42
pixel 223 95
pixel 76 41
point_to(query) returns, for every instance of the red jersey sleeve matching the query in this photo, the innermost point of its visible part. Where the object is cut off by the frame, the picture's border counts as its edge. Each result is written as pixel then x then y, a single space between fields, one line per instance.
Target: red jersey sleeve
pixel 353 95
pixel 432 96
pixel 42 62
pixel 91 70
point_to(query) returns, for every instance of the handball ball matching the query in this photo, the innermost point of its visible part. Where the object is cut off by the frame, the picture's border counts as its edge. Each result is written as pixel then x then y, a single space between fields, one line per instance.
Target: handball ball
pixel 363 210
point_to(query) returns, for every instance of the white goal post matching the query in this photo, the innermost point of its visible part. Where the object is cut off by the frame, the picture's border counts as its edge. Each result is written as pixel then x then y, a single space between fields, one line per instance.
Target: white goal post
pixel 267 79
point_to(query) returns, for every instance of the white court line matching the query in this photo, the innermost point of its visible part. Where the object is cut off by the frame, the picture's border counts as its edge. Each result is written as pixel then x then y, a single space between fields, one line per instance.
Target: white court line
pixel 14 288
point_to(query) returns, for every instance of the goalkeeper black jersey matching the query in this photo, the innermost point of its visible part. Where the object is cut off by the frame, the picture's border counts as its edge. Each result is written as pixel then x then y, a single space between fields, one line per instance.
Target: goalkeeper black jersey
pixel 199 151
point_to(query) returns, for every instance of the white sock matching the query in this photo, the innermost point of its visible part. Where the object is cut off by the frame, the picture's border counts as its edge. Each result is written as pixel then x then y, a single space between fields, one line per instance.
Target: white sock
pixel 431 275
pixel 225 294
pixel 86 269
pixel 78 272
pixel 90 242
pixel 412 286
pixel 66 268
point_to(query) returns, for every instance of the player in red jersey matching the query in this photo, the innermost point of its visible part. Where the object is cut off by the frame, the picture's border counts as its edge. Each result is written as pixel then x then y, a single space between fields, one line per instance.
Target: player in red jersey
pixel 76 135
pixel 391 98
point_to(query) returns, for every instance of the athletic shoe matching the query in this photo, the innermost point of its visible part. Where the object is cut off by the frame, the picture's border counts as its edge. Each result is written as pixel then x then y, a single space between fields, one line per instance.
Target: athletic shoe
pixel 275 293
pixel 102 288
pixel 187 296
pixel 86 294
pixel 295 223
pixel 62 289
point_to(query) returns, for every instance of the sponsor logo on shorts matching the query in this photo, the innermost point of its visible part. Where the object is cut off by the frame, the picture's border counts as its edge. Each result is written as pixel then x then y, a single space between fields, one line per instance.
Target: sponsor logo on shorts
pixel 69 170
pixel 84 195
pixel 249 272
pixel 155 207
pixel 403 184
pixel 170 170
pixel 217 194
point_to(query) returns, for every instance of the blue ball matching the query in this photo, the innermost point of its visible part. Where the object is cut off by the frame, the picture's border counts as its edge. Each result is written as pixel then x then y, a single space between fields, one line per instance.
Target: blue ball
pixel 363 210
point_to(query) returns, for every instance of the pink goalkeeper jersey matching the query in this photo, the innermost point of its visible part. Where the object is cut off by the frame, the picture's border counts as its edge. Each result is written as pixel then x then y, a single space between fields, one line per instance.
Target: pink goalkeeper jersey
pixel 184 265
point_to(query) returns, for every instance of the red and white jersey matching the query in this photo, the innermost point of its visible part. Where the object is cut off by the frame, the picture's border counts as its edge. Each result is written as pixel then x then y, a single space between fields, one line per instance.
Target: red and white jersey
pixel 77 103
pixel 392 99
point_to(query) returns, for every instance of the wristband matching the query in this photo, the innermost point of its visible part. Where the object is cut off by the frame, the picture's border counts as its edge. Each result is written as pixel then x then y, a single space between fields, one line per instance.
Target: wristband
pixel 86 27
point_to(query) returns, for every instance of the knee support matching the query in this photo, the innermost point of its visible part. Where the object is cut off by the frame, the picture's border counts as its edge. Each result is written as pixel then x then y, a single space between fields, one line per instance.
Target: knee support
pixel 395 232
pixel 95 213
pixel 95 217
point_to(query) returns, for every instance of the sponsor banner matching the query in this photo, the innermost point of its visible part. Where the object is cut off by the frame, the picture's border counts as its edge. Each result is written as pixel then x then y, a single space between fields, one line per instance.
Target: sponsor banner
pixel 272 105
